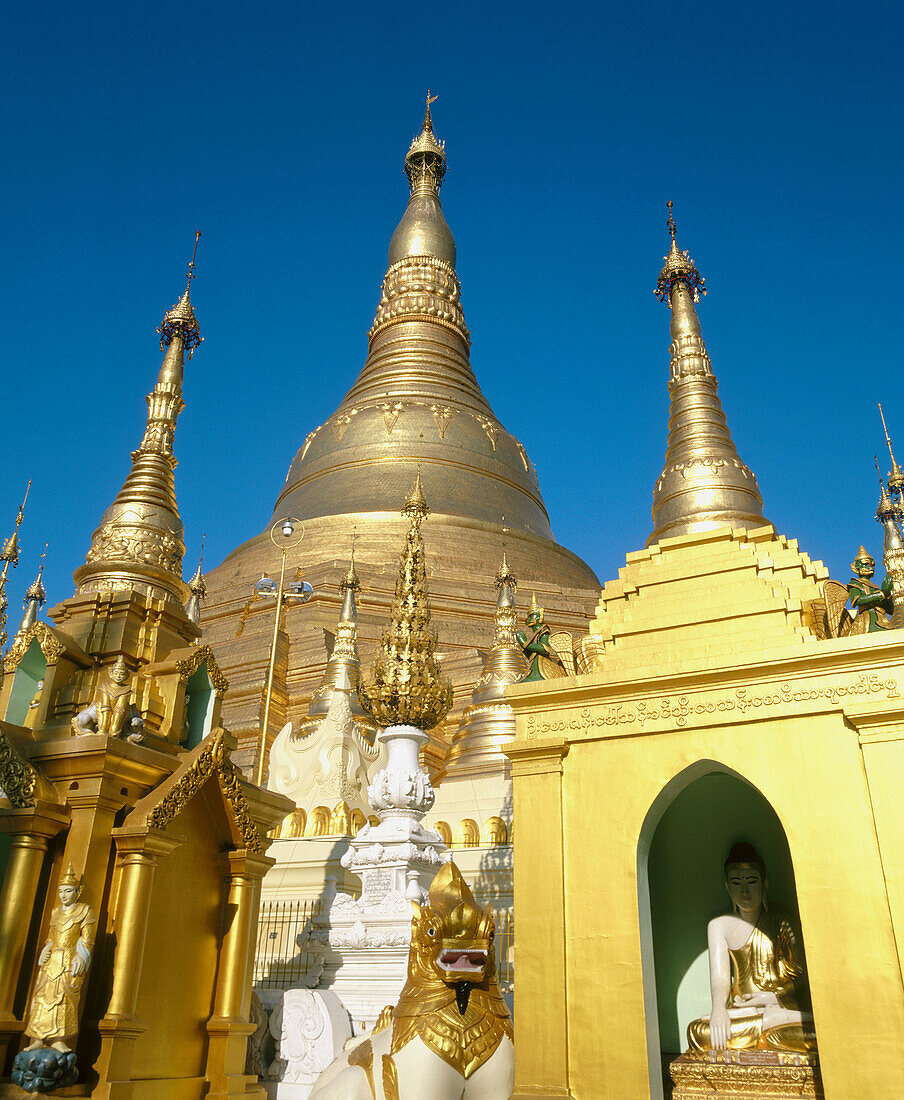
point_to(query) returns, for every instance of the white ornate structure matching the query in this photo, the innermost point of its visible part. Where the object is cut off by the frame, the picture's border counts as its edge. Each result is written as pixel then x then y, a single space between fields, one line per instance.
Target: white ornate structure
pixel 366 939
pixel 310 1028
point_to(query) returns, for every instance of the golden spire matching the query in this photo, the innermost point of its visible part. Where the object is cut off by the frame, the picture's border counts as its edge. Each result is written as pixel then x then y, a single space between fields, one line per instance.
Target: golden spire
pixel 489 722
pixel 405 685
pixel 139 543
pixel 889 514
pixel 343 669
pixel 9 555
pixel 896 476
pixel 35 598
pixel 704 484
pixel 197 586
pixel 423 230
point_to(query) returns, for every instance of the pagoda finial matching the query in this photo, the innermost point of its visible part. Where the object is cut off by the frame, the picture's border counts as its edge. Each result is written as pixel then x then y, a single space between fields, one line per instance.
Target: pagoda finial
pixel 416 503
pixel 35 598
pixel 428 121
pixel 350 581
pixel 9 555
pixel 405 685
pixel 896 475
pixel 181 318
pixel 679 268
pixel 197 586
pixel 704 484
pixel 425 161
pixel 505 575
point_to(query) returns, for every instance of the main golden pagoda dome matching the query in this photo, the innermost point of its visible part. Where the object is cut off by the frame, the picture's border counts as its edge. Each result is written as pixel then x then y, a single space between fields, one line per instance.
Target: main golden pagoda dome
pixel 416 405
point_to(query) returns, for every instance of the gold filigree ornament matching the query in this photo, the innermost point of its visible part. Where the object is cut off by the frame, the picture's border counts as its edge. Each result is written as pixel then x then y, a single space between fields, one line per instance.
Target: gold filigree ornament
pixel 18 777
pixel 188 667
pixel 213 760
pixel 51 647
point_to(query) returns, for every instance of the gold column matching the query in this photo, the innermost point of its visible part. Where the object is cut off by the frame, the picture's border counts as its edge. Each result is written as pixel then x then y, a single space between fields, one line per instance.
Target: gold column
pixel 229 1027
pixel 541 1039
pixel 31 829
pixel 136 861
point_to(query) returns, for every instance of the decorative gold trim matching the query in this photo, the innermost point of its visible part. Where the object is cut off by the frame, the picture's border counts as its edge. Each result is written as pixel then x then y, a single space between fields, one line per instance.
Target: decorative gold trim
pixel 51 647
pixel 18 777
pixel 213 760
pixel 188 667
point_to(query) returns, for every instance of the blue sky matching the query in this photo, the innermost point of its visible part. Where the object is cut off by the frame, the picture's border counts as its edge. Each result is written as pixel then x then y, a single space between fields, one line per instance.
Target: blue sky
pixel 279 131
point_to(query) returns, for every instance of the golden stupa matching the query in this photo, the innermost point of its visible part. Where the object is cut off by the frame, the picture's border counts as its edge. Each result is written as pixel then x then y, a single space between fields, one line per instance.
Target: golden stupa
pixel 416 404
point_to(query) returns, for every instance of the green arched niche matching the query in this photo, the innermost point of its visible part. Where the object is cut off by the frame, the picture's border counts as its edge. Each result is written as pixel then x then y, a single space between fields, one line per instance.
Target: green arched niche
pixel 686 883
pixel 30 671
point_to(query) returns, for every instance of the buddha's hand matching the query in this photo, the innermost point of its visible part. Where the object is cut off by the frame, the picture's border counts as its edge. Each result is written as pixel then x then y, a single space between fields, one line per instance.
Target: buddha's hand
pixel 718 1028
pixel 755 1000
pixel 45 954
pixel 78 966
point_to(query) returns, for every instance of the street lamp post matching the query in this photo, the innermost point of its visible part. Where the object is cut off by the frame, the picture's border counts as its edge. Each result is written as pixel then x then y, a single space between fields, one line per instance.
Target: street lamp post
pixel 298 592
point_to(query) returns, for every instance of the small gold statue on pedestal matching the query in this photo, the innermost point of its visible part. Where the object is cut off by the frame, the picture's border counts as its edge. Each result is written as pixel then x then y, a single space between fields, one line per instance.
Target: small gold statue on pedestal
pixel 111 712
pixel 63 964
pixel 758 984
pixel 49 1062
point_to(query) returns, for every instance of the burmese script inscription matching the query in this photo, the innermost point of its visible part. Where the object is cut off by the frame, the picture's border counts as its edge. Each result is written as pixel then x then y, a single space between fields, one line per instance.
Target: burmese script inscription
pixel 676 710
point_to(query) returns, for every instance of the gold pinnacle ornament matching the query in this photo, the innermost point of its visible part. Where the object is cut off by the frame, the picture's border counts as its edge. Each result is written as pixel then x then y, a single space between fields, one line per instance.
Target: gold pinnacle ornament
pixel 405 685
pixel 9 555
pixel 139 544
pixel 703 484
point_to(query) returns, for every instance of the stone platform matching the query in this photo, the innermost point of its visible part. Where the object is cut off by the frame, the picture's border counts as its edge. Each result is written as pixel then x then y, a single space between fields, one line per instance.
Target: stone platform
pixel 746 1075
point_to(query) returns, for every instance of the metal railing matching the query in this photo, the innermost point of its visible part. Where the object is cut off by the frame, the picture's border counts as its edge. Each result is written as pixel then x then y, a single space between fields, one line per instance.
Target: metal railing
pixel 279 963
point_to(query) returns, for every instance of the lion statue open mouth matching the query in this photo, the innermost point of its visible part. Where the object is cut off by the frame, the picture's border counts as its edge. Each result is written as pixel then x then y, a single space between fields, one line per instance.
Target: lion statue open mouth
pixel 450 1035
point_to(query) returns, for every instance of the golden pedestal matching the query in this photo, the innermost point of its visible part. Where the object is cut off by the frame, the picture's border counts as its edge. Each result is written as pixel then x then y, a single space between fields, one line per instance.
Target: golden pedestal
pixel 746 1075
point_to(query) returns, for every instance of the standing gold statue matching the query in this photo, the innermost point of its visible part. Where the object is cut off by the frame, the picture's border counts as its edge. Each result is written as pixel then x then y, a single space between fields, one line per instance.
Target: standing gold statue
pixel 755 970
pixel 63 964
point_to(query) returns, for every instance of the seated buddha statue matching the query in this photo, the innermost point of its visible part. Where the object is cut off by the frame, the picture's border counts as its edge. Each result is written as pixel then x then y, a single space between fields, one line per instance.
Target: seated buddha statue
pixel 756 973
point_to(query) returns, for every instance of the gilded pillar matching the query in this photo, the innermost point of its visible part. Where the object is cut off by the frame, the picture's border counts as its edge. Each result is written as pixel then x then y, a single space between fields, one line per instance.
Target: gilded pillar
pixel 136 861
pixel 229 1027
pixel 541 1039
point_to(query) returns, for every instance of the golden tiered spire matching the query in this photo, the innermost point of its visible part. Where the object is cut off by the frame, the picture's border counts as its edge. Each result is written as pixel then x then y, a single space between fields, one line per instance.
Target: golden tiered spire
pixel 35 598
pixel 489 722
pixel 197 586
pixel 405 685
pixel 9 555
pixel 416 399
pixel 343 669
pixel 139 543
pixel 704 484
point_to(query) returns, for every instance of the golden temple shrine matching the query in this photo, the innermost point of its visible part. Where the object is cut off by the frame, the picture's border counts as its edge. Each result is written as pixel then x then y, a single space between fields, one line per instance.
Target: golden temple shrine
pixel 225 797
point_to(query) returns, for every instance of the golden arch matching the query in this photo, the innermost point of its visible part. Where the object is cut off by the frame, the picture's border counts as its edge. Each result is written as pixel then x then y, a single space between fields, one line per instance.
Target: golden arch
pixel 318 822
pixel 493 833
pixel 442 827
pixel 466 834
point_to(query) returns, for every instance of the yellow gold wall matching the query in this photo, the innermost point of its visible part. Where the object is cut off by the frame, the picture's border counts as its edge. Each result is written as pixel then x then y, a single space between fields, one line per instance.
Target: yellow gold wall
pixel 815 726
pixel 180 957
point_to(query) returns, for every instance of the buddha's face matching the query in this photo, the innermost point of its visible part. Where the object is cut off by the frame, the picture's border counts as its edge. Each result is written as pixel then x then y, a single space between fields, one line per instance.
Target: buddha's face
pixel 120 673
pixel 865 567
pixel 68 895
pixel 747 889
